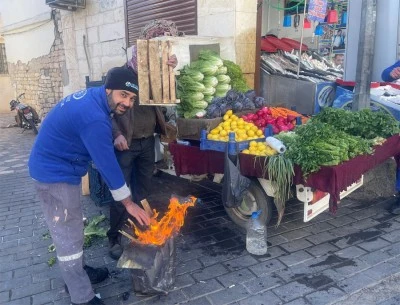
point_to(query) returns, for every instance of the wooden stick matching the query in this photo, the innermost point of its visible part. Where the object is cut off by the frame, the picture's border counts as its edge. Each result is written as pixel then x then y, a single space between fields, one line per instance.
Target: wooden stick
pixel 155 71
pixel 171 77
pixel 133 239
pixel 147 207
pixel 143 71
pixel 165 72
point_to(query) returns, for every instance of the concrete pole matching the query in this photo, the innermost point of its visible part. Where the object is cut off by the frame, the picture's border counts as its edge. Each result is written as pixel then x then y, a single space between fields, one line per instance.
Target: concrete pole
pixel 365 55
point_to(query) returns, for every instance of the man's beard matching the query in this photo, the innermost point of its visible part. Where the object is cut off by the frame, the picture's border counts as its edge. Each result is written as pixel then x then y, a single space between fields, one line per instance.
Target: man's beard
pixel 113 105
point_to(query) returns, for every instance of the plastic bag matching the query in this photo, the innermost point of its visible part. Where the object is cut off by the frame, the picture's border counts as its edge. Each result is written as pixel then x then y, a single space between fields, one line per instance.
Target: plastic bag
pixel 235 185
pixel 152 268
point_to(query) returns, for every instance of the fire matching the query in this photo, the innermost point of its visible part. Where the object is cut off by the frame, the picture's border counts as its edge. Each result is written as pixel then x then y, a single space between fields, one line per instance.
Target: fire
pixel 170 224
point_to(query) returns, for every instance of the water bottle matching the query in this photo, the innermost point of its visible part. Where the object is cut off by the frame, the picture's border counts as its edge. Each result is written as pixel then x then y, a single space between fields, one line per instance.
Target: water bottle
pixel 256 235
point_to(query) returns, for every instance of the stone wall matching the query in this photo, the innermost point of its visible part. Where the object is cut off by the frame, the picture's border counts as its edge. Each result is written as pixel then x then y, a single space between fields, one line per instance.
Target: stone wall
pixel 40 78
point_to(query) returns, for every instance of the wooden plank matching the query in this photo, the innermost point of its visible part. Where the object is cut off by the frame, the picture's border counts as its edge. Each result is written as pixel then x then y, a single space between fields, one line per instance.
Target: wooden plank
pixel 165 72
pixel 171 77
pixel 85 185
pixel 143 71
pixel 155 71
pixel 147 207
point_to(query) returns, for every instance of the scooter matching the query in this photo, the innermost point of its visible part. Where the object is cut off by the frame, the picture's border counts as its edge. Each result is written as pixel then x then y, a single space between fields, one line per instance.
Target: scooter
pixel 26 117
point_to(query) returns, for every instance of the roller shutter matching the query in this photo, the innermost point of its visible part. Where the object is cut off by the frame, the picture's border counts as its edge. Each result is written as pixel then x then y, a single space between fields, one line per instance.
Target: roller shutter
pixel 139 13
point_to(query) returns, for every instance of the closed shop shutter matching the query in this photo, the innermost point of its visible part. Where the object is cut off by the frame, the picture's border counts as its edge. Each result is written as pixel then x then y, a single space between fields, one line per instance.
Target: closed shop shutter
pixel 139 13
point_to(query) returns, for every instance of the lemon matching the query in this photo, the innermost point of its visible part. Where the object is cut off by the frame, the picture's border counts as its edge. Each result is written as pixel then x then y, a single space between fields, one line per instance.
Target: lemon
pixel 225 117
pixel 250 133
pixel 214 131
pixel 246 151
pixel 259 133
pixel 229 113
pixel 223 132
pixel 234 117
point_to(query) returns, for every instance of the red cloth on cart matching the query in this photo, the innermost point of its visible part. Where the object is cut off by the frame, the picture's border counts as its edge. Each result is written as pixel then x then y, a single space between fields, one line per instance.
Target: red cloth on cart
pixel 330 179
pixel 190 160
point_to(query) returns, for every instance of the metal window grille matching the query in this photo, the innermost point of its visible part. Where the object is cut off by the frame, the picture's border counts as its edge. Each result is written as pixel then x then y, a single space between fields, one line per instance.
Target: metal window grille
pixel 3 59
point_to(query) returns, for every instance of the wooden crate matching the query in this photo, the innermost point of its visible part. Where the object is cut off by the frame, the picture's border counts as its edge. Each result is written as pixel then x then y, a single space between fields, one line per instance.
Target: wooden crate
pixel 156 78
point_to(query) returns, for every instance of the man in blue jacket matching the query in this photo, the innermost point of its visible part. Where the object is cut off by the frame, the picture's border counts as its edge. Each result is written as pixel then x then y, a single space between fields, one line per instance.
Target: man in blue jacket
pixel 391 73
pixel 76 131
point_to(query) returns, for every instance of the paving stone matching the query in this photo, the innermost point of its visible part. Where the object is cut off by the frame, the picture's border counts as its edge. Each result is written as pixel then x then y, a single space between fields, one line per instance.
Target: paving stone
pixel 15 283
pixel 228 295
pixel 262 283
pixel 296 234
pixel 321 249
pixel 22 301
pixel 210 272
pixel 236 277
pixel 264 298
pixel 273 252
pixel 296 245
pixel 349 267
pixel 380 271
pixel 392 301
pixel 299 301
pixel 174 297
pixel 356 237
pixel 18 293
pixel 277 240
pixel 376 257
pixel 201 289
pixel 326 296
pixel 392 236
pixel 4 297
pixel 188 266
pixel 200 301
pixel 350 252
pixel 373 245
pixel 267 267
pixel 321 237
pixel 45 297
pixel 295 258
pixel 292 291
pixel 184 280
pixel 319 227
pixel 241 262
pixel 355 283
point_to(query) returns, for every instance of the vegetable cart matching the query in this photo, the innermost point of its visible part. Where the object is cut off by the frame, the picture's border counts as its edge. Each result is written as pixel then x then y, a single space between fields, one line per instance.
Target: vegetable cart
pixel 320 191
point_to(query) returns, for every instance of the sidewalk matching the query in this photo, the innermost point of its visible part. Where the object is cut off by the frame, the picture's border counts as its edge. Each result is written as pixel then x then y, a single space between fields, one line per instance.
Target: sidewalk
pixel 328 260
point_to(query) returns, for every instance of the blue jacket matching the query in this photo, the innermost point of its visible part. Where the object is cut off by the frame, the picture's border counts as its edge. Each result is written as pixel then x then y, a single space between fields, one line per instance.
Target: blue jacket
pixel 386 73
pixel 76 131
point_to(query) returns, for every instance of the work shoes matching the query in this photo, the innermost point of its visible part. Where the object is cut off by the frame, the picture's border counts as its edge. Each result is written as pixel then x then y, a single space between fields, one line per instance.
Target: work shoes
pixel 94 301
pixel 96 275
pixel 115 248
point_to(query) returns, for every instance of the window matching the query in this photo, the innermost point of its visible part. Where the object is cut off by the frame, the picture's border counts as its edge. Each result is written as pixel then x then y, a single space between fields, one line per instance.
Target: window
pixel 139 13
pixel 3 59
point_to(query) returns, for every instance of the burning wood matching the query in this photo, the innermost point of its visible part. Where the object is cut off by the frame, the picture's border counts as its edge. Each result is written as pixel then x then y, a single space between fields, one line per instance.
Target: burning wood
pixel 160 231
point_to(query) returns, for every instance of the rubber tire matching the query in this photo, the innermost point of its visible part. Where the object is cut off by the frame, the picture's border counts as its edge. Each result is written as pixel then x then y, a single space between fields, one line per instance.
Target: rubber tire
pixel 263 201
pixel 32 123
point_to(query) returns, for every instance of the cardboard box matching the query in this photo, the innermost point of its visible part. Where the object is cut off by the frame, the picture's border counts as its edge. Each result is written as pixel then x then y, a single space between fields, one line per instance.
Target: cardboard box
pixel 190 129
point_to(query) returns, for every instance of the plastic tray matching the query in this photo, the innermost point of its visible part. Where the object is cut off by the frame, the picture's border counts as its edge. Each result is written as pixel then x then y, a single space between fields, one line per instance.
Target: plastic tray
pixel 233 147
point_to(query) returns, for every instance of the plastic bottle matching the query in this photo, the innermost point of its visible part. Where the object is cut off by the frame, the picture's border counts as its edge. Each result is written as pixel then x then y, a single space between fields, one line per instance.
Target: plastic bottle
pixel 256 235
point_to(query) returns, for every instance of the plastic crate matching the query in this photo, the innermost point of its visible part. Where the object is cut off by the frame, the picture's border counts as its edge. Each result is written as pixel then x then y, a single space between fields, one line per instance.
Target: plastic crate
pixel 233 146
pixel 99 191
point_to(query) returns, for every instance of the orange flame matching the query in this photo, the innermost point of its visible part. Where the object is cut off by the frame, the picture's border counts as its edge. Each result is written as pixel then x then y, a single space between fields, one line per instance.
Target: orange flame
pixel 170 224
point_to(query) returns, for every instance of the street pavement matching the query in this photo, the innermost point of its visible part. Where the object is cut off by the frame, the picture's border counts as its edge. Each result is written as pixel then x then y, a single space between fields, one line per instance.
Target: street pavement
pixel 349 258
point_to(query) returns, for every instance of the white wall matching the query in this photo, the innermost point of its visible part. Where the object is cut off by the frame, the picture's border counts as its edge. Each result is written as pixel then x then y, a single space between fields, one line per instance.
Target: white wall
pixel 27 29
pixel 102 26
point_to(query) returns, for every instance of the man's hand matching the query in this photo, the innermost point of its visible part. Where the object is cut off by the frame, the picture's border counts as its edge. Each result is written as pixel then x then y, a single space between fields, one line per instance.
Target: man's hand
pixel 141 216
pixel 172 61
pixel 120 143
pixel 395 74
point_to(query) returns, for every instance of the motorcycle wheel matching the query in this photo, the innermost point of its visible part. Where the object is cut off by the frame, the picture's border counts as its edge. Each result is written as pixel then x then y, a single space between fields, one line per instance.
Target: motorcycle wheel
pixel 32 123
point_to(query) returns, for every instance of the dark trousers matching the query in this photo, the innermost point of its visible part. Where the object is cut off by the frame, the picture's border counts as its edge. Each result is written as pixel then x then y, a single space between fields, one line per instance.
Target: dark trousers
pixel 137 165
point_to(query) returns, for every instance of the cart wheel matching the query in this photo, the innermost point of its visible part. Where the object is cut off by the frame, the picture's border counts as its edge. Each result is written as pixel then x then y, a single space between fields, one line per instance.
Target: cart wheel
pixel 255 199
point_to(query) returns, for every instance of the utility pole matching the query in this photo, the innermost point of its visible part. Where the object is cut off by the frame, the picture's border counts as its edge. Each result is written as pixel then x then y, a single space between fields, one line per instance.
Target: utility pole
pixel 365 55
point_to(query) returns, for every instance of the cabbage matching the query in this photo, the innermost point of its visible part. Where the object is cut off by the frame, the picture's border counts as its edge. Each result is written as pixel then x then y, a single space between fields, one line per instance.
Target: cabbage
pixel 208 98
pixel 211 57
pixel 205 67
pixel 222 70
pixel 209 90
pixel 190 95
pixel 223 79
pixel 223 87
pixel 200 105
pixel 210 81
pixel 186 83
pixel 196 75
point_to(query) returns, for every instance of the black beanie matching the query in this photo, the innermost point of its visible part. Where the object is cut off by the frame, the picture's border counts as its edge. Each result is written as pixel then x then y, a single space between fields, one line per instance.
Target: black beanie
pixel 122 78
